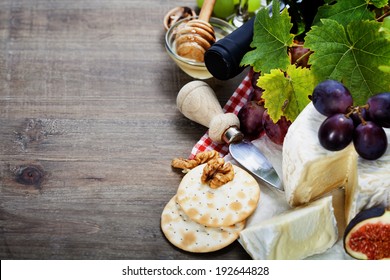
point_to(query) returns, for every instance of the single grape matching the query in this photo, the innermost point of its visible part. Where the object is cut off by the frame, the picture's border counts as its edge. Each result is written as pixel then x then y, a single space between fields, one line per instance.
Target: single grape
pixel 257 95
pixel 255 77
pixel 331 97
pixel 296 53
pixel 253 5
pixel 358 115
pixel 250 116
pixel 222 8
pixel 275 131
pixel 379 109
pixel 336 132
pixel 370 140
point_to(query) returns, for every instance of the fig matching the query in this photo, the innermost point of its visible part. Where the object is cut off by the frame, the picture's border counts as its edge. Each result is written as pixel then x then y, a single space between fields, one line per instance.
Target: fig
pixel 367 235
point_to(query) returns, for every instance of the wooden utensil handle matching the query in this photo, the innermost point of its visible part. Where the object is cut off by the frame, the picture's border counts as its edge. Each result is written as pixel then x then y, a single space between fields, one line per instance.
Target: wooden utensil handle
pixel 206 10
pixel 197 101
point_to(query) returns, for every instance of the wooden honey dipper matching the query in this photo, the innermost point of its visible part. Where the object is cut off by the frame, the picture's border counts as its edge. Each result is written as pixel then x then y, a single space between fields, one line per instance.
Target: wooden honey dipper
pixel 196 36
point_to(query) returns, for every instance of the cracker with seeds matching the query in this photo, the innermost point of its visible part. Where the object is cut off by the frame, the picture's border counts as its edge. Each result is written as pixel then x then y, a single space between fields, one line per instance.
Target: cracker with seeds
pixel 226 205
pixel 191 236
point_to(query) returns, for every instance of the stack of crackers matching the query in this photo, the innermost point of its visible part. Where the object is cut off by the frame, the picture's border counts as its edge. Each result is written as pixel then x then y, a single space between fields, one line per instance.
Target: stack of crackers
pixel 203 219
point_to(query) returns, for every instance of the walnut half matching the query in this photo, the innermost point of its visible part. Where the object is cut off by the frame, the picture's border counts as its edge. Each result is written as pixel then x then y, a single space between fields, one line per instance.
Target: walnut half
pixel 217 173
pixel 200 158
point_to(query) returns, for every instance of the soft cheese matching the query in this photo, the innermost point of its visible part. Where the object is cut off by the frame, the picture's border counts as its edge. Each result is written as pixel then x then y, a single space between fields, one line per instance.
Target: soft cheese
pixel 310 171
pixel 369 183
pixel 296 234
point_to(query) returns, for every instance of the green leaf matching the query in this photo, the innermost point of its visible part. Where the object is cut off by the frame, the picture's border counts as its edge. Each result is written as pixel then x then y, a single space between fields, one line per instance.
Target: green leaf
pixel 384 68
pixel 379 3
pixel 351 55
pixel 271 37
pixel 344 11
pixel 286 95
pixel 386 28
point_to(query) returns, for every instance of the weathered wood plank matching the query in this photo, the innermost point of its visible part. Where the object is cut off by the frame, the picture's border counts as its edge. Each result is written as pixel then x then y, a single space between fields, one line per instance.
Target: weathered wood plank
pixel 89 127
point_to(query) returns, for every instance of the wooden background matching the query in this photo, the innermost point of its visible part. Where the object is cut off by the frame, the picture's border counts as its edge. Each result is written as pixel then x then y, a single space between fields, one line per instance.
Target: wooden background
pixel 88 129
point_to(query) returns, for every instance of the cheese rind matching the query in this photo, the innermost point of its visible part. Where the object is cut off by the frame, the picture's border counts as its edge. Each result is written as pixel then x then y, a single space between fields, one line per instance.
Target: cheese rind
pixel 309 170
pixel 369 185
pixel 296 234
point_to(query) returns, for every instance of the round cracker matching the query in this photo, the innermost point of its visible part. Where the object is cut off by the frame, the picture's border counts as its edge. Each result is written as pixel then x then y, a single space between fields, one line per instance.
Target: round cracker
pixel 190 236
pixel 229 204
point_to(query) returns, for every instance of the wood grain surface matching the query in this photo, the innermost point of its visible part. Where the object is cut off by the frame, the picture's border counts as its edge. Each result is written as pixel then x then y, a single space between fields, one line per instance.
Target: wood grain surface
pixel 89 127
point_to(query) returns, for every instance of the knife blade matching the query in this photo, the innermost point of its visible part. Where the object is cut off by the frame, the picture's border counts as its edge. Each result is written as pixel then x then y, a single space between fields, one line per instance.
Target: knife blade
pixel 198 102
pixel 247 155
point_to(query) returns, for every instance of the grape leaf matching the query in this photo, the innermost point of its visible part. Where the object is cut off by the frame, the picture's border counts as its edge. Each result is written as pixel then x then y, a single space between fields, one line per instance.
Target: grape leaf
pixel 384 68
pixel 286 95
pixel 271 37
pixel 386 28
pixel 351 55
pixel 379 3
pixel 344 11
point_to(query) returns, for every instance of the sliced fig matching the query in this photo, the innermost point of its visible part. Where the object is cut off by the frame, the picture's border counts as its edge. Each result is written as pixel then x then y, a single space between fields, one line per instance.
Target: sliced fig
pixel 367 236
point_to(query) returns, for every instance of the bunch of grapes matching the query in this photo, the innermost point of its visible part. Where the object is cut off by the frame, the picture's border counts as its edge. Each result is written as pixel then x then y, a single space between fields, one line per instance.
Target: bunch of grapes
pixel 254 118
pixel 346 123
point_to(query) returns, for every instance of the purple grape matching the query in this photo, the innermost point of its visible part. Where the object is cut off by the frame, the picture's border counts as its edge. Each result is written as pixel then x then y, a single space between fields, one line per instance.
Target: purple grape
pixel 254 79
pixel 250 116
pixel 370 140
pixel 379 109
pixel 331 97
pixel 357 116
pixel 257 95
pixel 275 131
pixel 298 52
pixel 336 132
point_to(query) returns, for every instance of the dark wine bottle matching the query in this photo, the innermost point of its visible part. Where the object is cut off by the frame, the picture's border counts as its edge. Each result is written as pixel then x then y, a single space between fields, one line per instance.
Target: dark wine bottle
pixel 223 58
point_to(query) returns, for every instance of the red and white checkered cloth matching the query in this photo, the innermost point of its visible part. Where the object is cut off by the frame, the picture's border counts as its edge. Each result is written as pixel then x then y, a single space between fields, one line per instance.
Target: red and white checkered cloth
pixel 239 98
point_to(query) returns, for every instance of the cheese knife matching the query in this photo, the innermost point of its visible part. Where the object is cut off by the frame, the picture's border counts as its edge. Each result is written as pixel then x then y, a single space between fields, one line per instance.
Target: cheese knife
pixel 198 102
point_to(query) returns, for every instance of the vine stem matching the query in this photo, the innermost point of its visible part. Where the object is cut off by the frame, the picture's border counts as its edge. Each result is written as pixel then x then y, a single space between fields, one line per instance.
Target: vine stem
pixel 303 56
pixel 296 45
pixel 357 110
pixel 383 16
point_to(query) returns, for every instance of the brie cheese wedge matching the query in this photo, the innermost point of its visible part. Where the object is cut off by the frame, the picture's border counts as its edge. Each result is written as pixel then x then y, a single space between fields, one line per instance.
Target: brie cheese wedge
pixel 369 184
pixel 310 171
pixel 295 234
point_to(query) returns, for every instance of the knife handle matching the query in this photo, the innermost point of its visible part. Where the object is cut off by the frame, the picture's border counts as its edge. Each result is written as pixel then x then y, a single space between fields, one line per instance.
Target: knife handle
pixel 198 102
